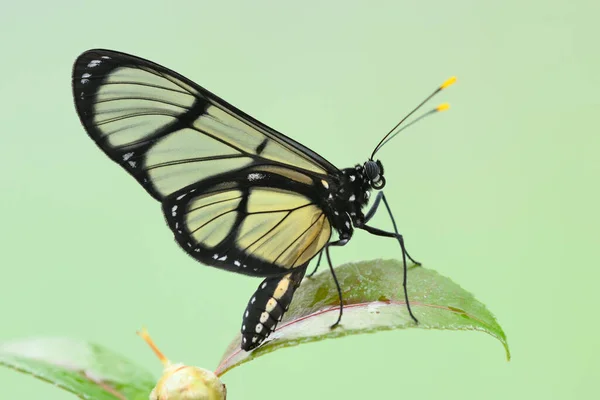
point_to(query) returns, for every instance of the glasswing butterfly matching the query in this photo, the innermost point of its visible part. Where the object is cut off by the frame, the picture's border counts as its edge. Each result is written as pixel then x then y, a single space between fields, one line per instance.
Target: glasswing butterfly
pixel 237 194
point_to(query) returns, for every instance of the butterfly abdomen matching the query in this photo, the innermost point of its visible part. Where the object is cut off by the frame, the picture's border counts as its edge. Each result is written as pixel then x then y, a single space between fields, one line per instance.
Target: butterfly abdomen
pixel 267 306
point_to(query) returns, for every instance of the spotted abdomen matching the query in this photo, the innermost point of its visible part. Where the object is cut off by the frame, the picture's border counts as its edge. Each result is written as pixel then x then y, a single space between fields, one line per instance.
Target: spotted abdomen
pixel 267 306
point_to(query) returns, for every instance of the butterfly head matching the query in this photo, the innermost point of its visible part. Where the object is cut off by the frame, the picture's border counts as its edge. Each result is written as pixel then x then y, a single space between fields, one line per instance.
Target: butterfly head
pixel 374 174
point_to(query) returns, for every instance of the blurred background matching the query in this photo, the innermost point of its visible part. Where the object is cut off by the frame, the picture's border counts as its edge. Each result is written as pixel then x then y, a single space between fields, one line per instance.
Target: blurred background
pixel 500 193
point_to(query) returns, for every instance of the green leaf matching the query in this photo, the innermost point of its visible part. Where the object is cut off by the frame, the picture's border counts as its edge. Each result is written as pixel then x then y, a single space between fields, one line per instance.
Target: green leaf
pixel 373 301
pixel 87 370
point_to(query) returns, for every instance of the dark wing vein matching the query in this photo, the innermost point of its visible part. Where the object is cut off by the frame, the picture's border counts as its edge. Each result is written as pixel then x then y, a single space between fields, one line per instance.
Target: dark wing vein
pixel 155 100
pixel 213 203
pixel 312 241
pixel 134 83
pixel 280 210
pixel 269 238
pixel 197 159
pixel 134 115
pixel 212 219
pixel 297 238
pixel 266 233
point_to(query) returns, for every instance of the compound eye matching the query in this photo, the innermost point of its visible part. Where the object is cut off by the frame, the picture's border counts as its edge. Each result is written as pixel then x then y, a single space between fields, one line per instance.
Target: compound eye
pixel 372 170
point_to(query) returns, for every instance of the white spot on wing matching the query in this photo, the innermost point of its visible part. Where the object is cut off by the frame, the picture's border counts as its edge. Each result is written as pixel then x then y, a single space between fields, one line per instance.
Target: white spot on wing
pixel 324 183
pixel 255 176
pixel 237 263
pixel 352 178
pixel 352 198
pixel 127 156
pixel 258 328
pixel 174 210
pixel 223 258
pixel 94 63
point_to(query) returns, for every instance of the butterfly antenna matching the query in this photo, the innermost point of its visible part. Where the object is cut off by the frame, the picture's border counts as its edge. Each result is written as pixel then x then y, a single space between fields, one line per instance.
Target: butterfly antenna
pixel 443 86
pixel 440 108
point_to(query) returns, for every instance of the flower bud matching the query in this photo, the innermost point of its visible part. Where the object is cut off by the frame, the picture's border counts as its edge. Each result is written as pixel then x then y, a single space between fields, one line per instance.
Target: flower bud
pixel 184 382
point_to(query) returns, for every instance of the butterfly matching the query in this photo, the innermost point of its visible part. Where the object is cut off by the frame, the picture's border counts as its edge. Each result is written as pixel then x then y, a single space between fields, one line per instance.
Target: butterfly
pixel 237 194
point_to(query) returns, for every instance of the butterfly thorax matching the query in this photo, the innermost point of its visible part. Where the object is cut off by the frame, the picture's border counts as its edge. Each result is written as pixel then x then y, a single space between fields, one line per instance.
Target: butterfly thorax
pixel 347 197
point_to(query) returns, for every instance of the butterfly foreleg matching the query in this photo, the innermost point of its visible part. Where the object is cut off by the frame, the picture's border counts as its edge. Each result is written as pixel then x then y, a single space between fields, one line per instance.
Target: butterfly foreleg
pixel 380 196
pixel 397 236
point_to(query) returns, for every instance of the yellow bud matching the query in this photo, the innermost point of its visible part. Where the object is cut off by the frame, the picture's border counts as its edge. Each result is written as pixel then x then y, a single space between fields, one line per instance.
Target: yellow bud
pixel 183 382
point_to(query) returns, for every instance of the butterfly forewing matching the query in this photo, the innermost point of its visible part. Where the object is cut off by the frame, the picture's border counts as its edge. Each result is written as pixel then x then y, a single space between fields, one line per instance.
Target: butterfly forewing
pixel 169 132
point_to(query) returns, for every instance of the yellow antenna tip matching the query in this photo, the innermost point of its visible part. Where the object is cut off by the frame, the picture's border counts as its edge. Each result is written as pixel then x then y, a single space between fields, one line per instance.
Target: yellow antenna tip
pixel 442 107
pixel 448 82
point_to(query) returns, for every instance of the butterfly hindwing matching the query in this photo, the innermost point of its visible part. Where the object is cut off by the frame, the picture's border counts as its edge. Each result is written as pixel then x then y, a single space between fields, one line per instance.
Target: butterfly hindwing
pixel 257 221
pixel 169 132
pixel 267 306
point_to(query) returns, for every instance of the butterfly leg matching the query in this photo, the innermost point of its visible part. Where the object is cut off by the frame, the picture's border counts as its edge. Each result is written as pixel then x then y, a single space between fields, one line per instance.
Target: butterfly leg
pixel 380 196
pixel 317 266
pixel 379 232
pixel 341 242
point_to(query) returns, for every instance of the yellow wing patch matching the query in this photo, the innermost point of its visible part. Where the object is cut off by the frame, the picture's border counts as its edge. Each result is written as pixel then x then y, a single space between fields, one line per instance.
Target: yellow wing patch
pixel 283 228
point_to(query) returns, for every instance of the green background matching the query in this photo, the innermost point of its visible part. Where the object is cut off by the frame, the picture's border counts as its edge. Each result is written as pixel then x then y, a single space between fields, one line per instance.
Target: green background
pixel 500 193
